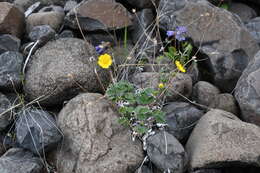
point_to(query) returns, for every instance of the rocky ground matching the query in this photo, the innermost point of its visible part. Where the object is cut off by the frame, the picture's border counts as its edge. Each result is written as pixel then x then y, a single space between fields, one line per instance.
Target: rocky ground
pixel 198 61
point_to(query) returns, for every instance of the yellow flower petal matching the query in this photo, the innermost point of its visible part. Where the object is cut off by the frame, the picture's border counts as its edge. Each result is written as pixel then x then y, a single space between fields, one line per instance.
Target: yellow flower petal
pixel 180 67
pixel 105 61
pixel 161 85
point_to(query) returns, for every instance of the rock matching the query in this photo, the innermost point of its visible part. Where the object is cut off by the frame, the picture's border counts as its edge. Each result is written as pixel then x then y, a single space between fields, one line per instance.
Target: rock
pixel 93 139
pixel 144 169
pixel 225 102
pixel 96 15
pixel 141 4
pixel 52 18
pixel 17 160
pixel 52 8
pixel 70 5
pixel 97 38
pixel 9 43
pixel 253 27
pixel 226 43
pixel 247 92
pixel 243 11
pixel 44 33
pixel 166 153
pixel 204 92
pixel 24 4
pixel 61 69
pixel 181 118
pixel 11 20
pixel 193 71
pixel 207 171
pixel 66 34
pixel 220 139
pixel 36 130
pixel 10 70
pixel 179 84
pixel 5 119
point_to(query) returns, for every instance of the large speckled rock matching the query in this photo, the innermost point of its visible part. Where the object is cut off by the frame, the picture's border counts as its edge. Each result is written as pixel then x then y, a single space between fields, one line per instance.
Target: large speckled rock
pixel 93 139
pixel 11 20
pixel 220 36
pixel 247 92
pixel 220 139
pixel 99 15
pixel 253 27
pixel 63 68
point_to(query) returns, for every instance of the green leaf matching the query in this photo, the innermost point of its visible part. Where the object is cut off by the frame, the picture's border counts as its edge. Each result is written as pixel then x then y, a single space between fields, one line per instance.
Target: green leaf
pixel 142 112
pixel 124 121
pixel 141 129
pixel 159 116
pixel 225 6
pixel 145 97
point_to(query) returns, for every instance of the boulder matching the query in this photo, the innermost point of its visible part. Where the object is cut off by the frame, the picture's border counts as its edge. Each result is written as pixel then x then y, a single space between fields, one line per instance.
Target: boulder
pixel 36 130
pixel 253 27
pixel 24 4
pixel 61 69
pixel 220 36
pixel 11 71
pixel 220 139
pixel 247 92
pixel 5 118
pixel 96 15
pixel 93 139
pixel 141 4
pixel 181 118
pixel 243 11
pixel 11 20
pixel 9 43
pixel 43 33
pixel 166 153
pixel 17 160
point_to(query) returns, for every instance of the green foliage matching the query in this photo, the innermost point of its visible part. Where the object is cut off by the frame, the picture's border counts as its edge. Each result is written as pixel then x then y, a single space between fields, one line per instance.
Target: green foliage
pixel 137 107
pixel 225 6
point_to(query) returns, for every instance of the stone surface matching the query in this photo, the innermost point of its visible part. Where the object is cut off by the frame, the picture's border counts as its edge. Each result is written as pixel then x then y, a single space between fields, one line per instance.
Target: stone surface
pixel 225 102
pixel 24 4
pixel 10 70
pixel 96 15
pixel 70 5
pixel 224 41
pixel 166 153
pixel 52 18
pixel 204 92
pixel 220 139
pixel 243 11
pixel 180 84
pixel 44 33
pixel 93 139
pixel 66 34
pixel 61 69
pixel 141 4
pixel 9 43
pixel 254 28
pixel 247 92
pixel 11 20
pixel 17 160
pixel 5 119
pixel 181 118
pixel 36 130
pixel 207 171
pixel 52 8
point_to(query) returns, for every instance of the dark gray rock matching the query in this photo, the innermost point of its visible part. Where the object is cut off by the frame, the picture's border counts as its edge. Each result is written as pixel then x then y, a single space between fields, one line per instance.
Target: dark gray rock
pixel 36 130
pixel 207 171
pixel 108 16
pixel 204 92
pixel 10 70
pixel 141 4
pixel 94 141
pixel 254 28
pixel 9 43
pixel 70 5
pixel 193 72
pixel 225 102
pixel 96 38
pixel 5 119
pixel 247 92
pixel 53 8
pixel 181 118
pixel 17 160
pixel 24 4
pixel 44 33
pixel 166 153
pixel 63 68
pixel 224 40
pixel 66 34
pixel 243 11
pixel 220 139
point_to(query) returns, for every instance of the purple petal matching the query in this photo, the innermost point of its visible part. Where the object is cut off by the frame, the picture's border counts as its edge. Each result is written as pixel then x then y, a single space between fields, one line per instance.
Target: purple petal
pixel 170 33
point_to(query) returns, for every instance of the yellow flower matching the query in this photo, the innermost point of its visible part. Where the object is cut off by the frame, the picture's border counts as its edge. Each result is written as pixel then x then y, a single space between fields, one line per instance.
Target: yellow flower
pixel 161 85
pixel 104 60
pixel 180 67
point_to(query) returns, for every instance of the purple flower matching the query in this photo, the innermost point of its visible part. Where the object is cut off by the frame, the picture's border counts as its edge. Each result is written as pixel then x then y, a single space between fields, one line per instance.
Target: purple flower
pixel 181 29
pixel 170 33
pixel 99 49
pixel 180 32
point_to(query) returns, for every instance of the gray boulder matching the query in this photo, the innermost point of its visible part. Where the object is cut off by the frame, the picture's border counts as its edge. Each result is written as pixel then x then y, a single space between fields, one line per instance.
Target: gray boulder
pixel 253 27
pixel 141 4
pixel 220 139
pixel 43 33
pixel 17 160
pixel 247 92
pixel 9 43
pixel 5 118
pixel 243 11
pixel 219 34
pixel 93 139
pixel 11 71
pixel 166 153
pixel 181 118
pixel 36 130
pixel 63 68
pixel 207 171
